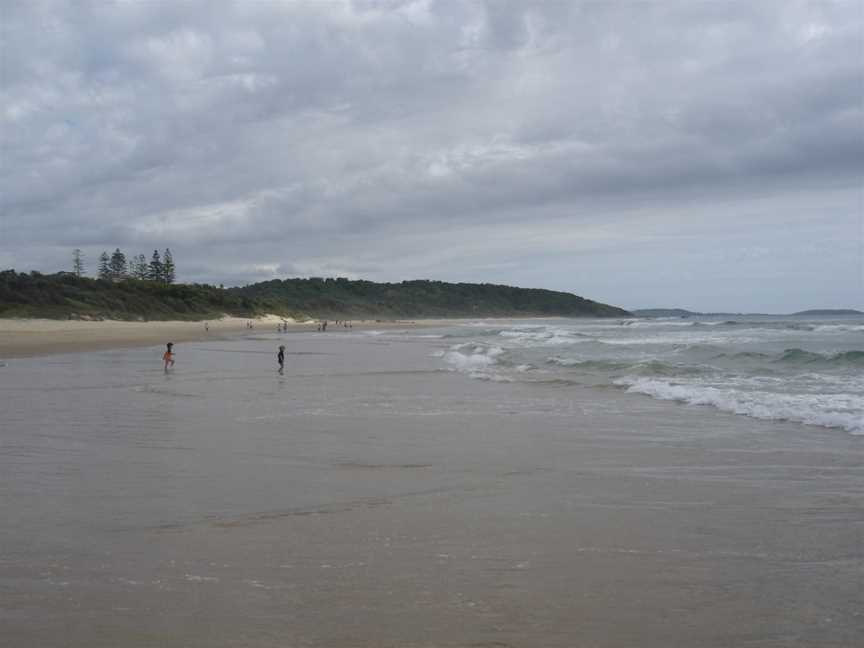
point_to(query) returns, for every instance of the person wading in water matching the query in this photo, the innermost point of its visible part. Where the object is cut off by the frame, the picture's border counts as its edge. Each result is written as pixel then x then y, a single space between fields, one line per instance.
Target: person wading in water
pixel 168 356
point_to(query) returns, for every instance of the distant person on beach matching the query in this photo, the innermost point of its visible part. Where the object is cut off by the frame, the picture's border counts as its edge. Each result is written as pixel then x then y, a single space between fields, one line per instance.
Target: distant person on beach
pixel 280 358
pixel 168 356
pixel 206 327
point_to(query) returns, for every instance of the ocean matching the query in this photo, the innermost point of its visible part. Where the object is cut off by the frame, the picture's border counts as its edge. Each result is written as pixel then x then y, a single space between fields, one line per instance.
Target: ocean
pixel 535 483
pixel 807 370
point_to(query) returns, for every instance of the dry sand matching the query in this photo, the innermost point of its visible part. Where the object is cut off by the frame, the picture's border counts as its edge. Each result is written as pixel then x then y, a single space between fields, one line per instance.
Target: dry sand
pixel 32 337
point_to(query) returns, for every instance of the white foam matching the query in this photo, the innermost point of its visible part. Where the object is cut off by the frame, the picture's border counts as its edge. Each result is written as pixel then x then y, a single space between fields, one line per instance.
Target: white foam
pixel 475 360
pixel 828 410
pixel 471 356
pixel 535 336
pixel 490 376
pixel 839 327
pixel 467 361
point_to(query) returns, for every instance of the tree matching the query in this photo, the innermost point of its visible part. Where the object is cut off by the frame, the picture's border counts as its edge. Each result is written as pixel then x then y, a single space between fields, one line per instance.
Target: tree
pixel 77 262
pixel 117 265
pixel 154 272
pixel 168 269
pixel 139 269
pixel 104 266
pixel 133 266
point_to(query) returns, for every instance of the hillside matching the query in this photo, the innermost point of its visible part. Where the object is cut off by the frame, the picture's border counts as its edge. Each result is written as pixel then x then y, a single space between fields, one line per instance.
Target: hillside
pixel 63 295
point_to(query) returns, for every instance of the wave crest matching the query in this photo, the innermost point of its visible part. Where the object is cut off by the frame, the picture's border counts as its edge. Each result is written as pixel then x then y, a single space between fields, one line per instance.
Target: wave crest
pixel 827 410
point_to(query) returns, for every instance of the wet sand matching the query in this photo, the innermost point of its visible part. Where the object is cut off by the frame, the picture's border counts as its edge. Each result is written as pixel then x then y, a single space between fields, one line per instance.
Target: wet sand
pixel 366 499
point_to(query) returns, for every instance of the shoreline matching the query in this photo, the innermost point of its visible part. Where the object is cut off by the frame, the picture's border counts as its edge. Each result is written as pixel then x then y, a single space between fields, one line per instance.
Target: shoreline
pixel 22 338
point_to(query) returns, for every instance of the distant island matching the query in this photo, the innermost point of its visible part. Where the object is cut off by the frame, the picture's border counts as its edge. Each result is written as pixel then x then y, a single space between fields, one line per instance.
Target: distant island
pixel 663 312
pixel 67 296
pixel 830 312
pixel 680 312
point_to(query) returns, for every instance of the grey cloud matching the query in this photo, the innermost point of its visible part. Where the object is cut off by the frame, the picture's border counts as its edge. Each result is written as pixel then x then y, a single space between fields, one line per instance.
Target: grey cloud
pixel 295 138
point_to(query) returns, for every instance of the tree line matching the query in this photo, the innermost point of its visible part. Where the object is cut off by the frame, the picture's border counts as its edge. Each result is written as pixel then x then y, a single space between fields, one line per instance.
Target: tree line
pixel 117 266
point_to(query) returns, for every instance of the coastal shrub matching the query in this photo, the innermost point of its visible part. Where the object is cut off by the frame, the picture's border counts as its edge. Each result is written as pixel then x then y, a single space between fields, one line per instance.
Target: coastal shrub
pixel 64 294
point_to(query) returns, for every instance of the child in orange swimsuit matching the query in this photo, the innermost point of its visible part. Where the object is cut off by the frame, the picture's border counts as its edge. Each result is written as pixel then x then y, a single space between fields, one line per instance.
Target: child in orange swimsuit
pixel 168 356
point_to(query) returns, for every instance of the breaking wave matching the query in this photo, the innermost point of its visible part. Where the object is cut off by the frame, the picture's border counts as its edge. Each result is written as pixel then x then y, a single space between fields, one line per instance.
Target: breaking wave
pixel 828 410
pixel 476 360
pixel 804 371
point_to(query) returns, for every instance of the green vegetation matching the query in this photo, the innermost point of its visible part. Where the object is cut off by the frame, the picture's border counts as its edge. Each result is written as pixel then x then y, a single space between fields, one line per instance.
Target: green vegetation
pixel 64 295
pixel 342 297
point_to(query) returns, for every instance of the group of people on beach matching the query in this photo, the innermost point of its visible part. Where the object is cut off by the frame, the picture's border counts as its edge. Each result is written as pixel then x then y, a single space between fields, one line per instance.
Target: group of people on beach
pixel 168 356
pixel 322 325
pixel 282 327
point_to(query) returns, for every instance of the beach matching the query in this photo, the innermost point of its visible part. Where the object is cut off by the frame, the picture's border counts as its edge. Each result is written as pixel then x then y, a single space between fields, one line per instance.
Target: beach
pixel 393 489
pixel 32 337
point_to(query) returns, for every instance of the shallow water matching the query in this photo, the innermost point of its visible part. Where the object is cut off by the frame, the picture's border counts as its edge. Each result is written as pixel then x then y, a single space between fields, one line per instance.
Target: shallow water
pixel 378 494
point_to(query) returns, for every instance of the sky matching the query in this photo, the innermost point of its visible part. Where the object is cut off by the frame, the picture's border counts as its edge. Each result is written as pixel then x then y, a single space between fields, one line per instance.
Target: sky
pixel 704 155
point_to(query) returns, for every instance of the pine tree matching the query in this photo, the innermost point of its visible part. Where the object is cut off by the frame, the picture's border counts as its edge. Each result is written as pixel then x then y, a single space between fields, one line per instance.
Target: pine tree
pixel 77 262
pixel 168 269
pixel 140 269
pixel 154 272
pixel 117 265
pixel 133 267
pixel 104 266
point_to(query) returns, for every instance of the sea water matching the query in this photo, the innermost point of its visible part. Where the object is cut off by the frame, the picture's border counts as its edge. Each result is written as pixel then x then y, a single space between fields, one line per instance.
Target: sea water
pixel 806 370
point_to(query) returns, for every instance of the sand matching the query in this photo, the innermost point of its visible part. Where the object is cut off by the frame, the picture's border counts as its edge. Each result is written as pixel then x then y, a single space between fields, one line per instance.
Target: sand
pixel 33 337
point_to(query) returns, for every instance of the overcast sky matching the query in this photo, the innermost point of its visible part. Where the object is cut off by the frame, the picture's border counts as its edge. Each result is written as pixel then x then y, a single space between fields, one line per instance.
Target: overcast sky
pixel 707 155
